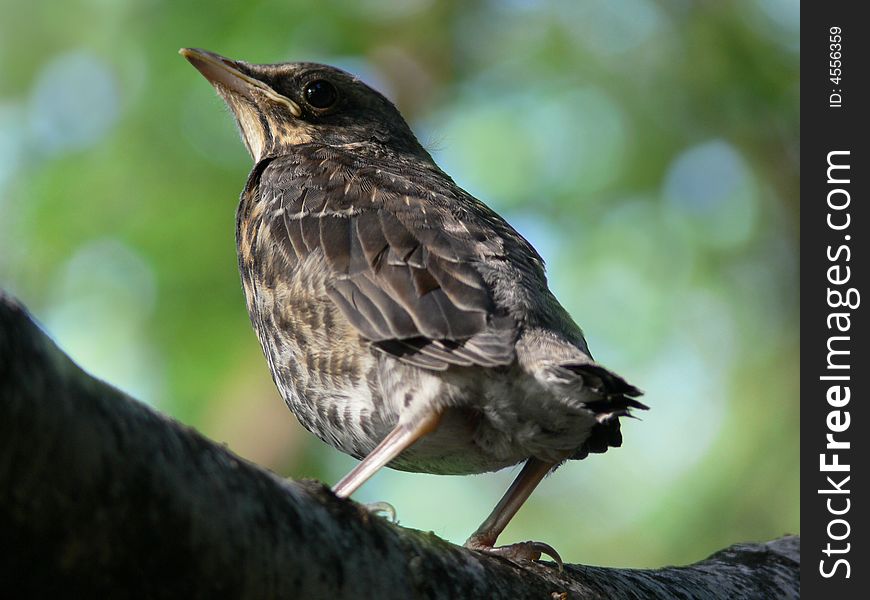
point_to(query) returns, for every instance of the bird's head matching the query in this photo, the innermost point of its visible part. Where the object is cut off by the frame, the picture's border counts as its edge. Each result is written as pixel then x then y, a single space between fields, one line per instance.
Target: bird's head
pixel 279 106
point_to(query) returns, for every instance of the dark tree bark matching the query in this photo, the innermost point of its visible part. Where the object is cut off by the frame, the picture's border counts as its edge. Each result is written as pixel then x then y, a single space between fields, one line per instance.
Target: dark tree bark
pixel 100 496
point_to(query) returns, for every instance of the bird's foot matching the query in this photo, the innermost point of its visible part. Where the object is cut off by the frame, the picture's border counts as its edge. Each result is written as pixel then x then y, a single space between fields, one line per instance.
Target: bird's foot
pixel 382 509
pixel 519 552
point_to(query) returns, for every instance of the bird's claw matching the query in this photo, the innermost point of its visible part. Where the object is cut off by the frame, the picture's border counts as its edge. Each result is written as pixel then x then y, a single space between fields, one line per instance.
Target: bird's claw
pixel 519 552
pixel 382 509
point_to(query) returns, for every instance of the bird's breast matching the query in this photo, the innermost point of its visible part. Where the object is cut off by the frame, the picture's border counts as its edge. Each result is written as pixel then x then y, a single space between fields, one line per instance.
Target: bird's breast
pixel 323 369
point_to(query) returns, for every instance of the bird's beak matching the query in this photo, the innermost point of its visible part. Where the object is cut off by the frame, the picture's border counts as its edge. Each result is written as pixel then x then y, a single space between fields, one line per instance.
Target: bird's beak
pixel 224 73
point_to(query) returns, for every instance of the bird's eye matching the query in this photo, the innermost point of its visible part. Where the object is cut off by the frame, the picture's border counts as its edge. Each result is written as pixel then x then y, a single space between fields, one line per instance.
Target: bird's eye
pixel 320 94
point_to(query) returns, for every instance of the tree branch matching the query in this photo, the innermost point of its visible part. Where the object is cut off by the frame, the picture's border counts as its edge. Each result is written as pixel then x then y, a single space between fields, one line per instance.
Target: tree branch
pixel 102 496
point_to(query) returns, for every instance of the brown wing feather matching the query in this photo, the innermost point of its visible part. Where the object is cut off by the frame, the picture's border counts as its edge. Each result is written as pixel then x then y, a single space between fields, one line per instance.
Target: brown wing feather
pixel 403 278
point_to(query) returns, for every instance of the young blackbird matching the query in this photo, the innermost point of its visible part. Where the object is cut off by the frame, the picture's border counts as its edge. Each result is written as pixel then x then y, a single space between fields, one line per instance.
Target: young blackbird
pixel 404 322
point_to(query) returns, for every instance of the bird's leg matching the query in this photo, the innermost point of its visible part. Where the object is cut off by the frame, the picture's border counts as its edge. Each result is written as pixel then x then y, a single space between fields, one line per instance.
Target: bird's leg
pixel 398 440
pixel 484 538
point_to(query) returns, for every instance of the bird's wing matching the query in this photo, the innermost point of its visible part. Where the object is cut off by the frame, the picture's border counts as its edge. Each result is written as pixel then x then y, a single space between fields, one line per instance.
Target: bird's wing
pixel 402 265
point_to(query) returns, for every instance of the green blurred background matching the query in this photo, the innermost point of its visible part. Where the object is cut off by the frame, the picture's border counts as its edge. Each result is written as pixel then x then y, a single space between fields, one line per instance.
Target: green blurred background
pixel 649 150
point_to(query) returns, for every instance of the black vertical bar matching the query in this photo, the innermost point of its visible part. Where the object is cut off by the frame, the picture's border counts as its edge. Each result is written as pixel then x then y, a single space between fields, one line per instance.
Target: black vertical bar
pixel 835 364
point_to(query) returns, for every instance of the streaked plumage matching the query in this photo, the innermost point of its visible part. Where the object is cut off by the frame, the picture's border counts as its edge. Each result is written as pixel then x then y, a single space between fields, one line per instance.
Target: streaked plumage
pixel 385 295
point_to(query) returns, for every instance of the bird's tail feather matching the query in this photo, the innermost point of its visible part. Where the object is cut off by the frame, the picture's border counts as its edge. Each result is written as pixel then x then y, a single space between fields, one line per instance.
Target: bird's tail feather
pixel 616 398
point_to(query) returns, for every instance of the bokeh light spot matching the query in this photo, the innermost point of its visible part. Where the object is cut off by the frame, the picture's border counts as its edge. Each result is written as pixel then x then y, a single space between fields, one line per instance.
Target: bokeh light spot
pixel 99 311
pixel 73 103
pixel 712 189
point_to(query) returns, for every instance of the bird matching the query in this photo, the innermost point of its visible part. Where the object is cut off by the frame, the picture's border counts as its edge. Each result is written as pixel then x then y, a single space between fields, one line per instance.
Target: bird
pixel 404 322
